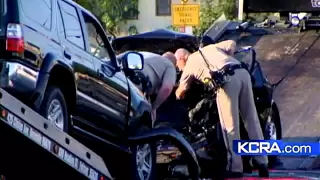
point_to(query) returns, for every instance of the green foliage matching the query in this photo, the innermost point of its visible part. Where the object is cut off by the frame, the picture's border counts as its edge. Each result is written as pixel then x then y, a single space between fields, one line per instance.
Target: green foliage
pixel 111 12
pixel 173 28
pixel 258 17
pixel 133 30
pixel 210 10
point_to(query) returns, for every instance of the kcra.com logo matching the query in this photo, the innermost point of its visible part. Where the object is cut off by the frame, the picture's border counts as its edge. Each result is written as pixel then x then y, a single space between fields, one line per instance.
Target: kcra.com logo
pixel 257 147
pixel 274 147
pixel 315 3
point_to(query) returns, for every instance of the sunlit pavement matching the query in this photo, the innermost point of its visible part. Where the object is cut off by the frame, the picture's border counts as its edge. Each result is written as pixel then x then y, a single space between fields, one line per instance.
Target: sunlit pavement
pixel 297 96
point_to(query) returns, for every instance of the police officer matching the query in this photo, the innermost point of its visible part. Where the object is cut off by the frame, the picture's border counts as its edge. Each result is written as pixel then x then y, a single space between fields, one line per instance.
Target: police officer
pixel 161 72
pixel 236 94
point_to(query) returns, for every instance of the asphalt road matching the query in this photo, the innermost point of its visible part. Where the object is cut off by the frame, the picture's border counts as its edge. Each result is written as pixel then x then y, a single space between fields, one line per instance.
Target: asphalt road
pixel 296 57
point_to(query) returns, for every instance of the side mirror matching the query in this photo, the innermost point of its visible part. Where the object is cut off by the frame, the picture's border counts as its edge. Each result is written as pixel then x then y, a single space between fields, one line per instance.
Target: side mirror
pixel 132 61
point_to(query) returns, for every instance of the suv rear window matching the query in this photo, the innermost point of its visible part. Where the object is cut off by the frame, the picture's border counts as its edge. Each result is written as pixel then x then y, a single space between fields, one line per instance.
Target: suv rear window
pixel 39 11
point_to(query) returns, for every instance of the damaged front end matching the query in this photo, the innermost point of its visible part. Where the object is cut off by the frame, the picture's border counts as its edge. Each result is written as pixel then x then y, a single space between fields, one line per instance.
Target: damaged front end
pixel 176 138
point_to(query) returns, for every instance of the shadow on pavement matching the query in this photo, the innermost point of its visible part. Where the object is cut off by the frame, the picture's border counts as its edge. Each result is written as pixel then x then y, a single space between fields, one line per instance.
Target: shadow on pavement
pixel 294 57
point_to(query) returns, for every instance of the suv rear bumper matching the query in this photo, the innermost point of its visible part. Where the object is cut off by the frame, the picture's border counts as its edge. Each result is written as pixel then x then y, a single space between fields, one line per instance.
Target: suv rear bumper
pixel 20 81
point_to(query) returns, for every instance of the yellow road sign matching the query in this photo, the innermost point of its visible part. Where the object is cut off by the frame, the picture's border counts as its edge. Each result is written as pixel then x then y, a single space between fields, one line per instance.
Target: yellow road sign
pixel 185 14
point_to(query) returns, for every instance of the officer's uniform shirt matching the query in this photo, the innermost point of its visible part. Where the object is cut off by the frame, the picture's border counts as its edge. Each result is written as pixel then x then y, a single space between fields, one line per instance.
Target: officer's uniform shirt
pixel 159 70
pixel 217 56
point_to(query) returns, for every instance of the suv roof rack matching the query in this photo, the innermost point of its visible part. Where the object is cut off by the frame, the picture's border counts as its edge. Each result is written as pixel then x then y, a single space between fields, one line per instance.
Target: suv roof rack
pixel 31 146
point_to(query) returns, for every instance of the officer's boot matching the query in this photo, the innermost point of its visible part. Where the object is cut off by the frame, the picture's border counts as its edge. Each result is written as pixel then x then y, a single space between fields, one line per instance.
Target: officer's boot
pixel 263 170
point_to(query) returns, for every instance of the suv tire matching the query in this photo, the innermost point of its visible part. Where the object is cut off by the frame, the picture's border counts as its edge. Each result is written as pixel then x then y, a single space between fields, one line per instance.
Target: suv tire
pixel 54 99
pixel 272 130
pixel 138 151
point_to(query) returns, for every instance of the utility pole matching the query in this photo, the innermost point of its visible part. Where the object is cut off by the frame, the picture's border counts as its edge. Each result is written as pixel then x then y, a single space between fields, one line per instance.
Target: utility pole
pixel 240 9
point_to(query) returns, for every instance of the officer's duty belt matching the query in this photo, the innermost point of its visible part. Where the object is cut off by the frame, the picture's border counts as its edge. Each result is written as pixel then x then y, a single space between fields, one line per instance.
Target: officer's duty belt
pixel 229 68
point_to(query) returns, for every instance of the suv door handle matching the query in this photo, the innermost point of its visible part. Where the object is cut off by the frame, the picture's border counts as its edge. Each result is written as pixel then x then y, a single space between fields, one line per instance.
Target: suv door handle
pixel 66 54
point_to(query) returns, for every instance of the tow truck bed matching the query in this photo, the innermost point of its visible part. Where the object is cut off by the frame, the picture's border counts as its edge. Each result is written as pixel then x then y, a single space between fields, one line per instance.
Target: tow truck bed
pixel 32 148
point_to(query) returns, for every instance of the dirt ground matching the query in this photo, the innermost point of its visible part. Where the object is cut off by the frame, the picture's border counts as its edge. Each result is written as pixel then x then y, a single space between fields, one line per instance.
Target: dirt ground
pixel 296 58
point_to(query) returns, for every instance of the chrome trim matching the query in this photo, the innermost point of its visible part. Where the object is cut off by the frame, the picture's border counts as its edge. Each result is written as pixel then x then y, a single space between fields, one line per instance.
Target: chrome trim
pixel 17 76
pixel 110 109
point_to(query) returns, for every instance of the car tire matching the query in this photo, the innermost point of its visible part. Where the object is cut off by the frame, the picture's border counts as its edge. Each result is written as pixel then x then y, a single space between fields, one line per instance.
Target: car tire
pixel 54 99
pixel 265 123
pixel 272 127
pixel 274 133
pixel 147 153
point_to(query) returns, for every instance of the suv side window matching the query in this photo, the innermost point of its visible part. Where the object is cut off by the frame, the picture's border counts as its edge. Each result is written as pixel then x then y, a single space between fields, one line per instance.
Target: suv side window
pixel 71 22
pixel 42 15
pixel 60 23
pixel 95 35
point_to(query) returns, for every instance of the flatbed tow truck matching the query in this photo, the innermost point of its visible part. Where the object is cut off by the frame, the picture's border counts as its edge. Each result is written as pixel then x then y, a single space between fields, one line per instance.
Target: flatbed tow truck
pixel 32 148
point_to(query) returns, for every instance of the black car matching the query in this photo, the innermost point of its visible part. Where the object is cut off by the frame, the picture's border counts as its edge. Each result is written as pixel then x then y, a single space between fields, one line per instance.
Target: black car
pixel 197 116
pixel 56 58
pixel 157 41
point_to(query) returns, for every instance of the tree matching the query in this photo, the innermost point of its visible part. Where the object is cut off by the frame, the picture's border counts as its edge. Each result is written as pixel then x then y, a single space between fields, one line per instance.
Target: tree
pixel 210 10
pixel 111 12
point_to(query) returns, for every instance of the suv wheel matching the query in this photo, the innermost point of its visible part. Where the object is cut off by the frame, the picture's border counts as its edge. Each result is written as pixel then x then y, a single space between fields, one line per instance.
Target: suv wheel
pixel 273 131
pixel 272 125
pixel 143 159
pixel 54 108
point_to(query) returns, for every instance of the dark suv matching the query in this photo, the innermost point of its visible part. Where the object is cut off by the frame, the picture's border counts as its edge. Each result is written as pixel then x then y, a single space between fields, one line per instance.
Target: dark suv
pixel 56 58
